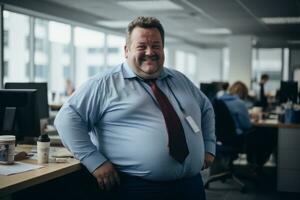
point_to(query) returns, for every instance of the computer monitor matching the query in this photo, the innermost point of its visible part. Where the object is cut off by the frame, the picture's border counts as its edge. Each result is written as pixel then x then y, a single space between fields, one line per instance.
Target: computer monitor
pixel 219 85
pixel 42 93
pixel 288 91
pixel 209 90
pixel 19 113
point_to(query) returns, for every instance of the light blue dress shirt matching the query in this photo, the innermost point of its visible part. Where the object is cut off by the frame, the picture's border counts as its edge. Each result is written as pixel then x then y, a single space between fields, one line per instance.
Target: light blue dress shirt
pixel 114 116
pixel 238 111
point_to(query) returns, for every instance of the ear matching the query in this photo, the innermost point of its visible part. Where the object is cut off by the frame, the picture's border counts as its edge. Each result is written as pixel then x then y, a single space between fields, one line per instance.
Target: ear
pixel 126 51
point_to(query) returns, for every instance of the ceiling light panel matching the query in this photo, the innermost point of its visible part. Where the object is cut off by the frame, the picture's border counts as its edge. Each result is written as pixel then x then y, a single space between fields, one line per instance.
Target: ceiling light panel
pixel 281 20
pixel 213 31
pixel 157 5
pixel 113 24
pixel 293 41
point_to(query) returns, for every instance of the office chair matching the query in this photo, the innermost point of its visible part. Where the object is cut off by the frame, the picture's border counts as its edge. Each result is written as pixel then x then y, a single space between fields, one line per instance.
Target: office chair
pixel 229 144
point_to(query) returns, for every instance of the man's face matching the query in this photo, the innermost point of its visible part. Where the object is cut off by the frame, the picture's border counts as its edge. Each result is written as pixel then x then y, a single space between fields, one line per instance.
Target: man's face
pixel 145 53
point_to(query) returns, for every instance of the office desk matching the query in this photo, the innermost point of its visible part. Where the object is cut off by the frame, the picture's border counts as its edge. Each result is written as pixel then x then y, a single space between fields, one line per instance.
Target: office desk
pixel 273 123
pixel 13 183
pixel 55 107
pixel 288 163
pixel 288 170
pixel 266 123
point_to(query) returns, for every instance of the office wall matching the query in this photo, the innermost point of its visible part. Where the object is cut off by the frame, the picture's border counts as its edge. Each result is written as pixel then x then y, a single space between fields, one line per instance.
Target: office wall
pixel 240 56
pixel 210 65
pixel 294 61
pixel 16 53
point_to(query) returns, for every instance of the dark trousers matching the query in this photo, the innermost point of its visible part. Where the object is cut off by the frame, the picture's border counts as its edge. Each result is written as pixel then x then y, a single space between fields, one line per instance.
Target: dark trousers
pixel 135 188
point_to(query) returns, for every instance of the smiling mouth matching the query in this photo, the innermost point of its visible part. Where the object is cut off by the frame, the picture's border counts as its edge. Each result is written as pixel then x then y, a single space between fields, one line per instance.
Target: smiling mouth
pixel 149 61
pixel 150 58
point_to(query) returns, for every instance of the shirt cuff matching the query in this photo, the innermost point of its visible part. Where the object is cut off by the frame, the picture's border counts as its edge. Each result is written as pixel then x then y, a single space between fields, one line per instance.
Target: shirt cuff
pixel 93 161
pixel 210 147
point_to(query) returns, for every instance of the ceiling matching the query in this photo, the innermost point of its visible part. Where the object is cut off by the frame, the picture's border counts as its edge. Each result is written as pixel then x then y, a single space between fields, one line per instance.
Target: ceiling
pixel 241 17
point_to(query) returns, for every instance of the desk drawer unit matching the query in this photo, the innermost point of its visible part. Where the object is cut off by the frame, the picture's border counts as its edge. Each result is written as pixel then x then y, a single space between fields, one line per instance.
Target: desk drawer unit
pixel 288 168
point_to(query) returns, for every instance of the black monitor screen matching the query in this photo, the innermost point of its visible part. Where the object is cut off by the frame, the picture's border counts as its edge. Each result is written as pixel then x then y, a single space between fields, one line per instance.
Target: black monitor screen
pixel 42 92
pixel 209 89
pixel 19 113
pixel 219 85
pixel 288 91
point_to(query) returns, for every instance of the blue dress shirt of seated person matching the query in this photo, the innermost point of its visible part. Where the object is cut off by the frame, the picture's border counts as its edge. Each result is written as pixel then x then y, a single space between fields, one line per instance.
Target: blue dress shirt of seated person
pixel 238 111
pixel 114 116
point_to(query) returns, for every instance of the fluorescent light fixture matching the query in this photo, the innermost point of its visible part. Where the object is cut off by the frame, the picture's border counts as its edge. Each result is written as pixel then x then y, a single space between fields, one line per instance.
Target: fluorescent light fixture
pixel 293 41
pixel 213 31
pixel 281 20
pixel 157 5
pixel 113 24
pixel 169 39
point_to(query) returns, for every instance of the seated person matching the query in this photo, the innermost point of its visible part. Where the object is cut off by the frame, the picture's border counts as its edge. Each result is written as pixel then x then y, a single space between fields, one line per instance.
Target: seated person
pixel 259 143
pixel 262 98
pixel 69 88
pixel 235 102
pixel 224 90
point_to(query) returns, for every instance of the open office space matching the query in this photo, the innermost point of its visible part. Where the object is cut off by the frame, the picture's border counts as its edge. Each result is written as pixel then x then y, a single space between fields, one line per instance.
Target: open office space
pixel 49 48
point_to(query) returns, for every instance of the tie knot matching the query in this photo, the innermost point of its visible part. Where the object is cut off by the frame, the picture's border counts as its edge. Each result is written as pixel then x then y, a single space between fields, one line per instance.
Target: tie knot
pixel 151 81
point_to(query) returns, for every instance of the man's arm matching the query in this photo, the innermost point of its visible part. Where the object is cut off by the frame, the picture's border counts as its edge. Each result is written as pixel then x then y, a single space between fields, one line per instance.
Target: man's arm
pixel 73 131
pixel 208 130
pixel 74 134
pixel 207 124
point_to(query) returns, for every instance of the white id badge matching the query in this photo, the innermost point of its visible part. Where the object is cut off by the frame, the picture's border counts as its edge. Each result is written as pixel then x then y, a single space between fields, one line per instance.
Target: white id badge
pixel 192 124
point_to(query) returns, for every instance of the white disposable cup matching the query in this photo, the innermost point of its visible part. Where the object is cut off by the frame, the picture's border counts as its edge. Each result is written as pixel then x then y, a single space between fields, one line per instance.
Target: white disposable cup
pixel 7 149
pixel 257 109
pixel 43 149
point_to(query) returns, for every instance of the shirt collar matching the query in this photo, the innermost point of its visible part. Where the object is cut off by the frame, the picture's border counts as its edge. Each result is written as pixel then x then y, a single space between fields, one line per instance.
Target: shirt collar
pixel 128 73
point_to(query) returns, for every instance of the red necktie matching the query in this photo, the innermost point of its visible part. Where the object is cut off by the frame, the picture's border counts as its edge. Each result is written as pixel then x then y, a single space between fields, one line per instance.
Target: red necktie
pixel 177 143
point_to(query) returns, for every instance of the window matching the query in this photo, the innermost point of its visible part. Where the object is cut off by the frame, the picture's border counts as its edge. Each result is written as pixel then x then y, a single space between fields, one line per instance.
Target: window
pixel 5 66
pixel 115 50
pixel 180 61
pixel 17 28
pixel 95 50
pixel 52 53
pixel 167 57
pixel 186 63
pixel 86 41
pixel 41 71
pixel 67 49
pixel 191 64
pixel 225 64
pixel 267 61
pixel 67 72
pixel 41 45
pixel 55 51
pixel 5 38
pixel 115 46
pixel 41 23
pixel 27 69
pixel 92 70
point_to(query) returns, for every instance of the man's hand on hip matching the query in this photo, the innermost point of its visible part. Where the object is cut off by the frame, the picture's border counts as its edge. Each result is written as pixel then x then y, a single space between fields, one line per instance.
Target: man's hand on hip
pixel 106 175
pixel 208 160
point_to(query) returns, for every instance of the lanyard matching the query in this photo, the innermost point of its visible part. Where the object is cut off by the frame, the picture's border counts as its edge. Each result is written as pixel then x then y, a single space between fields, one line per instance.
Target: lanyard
pixel 168 85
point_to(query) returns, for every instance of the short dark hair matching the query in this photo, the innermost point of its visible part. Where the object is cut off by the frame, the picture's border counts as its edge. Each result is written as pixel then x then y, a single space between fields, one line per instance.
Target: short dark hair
pixel 264 77
pixel 145 22
pixel 225 86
